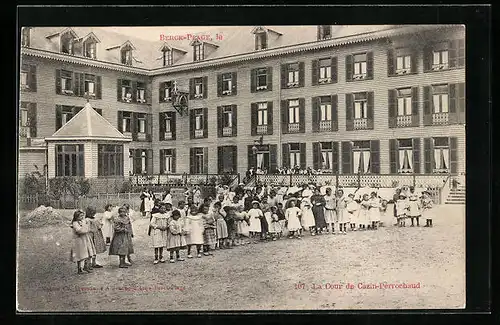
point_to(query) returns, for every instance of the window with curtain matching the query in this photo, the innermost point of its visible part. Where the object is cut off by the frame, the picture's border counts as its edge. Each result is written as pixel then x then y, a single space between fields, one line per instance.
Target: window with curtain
pixel 141 92
pixel 440 58
pixel 326 156
pixel 403 62
pixel 405 156
pixel 168 121
pixel 131 161
pixel 360 106
pixel 361 157
pixel 325 108
pixel 441 155
pixel 440 98
pixel 261 41
pixel 199 160
pixel 227 117
pixel 144 158
pixel 360 64
pixel 168 161
pixel 294 154
pixel 167 58
pixel 261 78
pixel 67 81
pixel 141 123
pixel 198 87
pixel 293 73
pixel 262 113
pixel 90 84
pixel 325 69
pixel 404 101
pixel 293 111
pixel 227 83
pixel 126 90
pixel 24 123
pixel 198 51
pixel 24 77
pixel 126 122
pixel 199 119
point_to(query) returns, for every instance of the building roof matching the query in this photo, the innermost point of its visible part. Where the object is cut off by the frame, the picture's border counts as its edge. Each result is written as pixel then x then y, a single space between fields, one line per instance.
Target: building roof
pixel 87 124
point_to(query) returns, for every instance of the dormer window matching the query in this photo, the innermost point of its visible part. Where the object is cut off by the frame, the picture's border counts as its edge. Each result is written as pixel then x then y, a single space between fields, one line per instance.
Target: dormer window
pixel 167 57
pixel 90 49
pixel 199 51
pixel 324 32
pixel 25 36
pixel 261 41
pixel 67 43
pixel 126 55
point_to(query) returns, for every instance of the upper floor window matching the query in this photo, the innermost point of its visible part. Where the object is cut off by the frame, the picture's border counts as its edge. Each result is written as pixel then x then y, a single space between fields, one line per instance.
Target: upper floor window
pixel 404 101
pixel 293 74
pixel 262 113
pixel 359 66
pixel 90 85
pixel 324 32
pixel 25 36
pixel 440 59
pixel 165 91
pixel 126 91
pixel 90 48
pixel 127 122
pixel 440 98
pixel 360 106
pixel 198 87
pixel 67 43
pixel 198 51
pixel 66 82
pixel 325 70
pixel 27 77
pixel 261 41
pixel 325 107
pixel 226 84
pixel 141 92
pixel 126 55
pixel 293 111
pixel 167 57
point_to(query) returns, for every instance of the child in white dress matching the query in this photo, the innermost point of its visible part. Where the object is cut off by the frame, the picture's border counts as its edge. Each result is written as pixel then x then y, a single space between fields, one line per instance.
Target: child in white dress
pixel 364 216
pixel 307 219
pixel 254 214
pixel 401 209
pixel 427 206
pixel 341 214
pixel 159 226
pixel 413 207
pixel 292 215
pixel 374 210
pixel 194 227
pixel 107 220
pixel 274 224
pixel 352 211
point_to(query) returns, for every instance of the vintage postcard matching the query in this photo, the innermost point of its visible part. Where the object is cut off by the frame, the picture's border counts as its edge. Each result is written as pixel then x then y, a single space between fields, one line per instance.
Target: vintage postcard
pixel 239 168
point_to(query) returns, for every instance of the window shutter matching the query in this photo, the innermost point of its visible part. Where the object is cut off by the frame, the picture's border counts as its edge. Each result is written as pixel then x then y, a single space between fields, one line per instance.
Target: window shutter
pixel 302 115
pixel 205 87
pixel 316 155
pixel 234 77
pixel 58 81
pixel 283 76
pixel 315 114
pixel 303 156
pixel 452 53
pixel 133 126
pixel 76 84
pixel 149 161
pixel 349 67
pixel 149 127
pixel 390 62
pixel 219 121
pixel 174 161
pixel 346 157
pixel 58 117
pixel 253 80
pixel 314 72
pixel 461 103
pixel 98 91
pixel 273 149
pixel 191 88
pixel 253 118
pixel 284 116
pixel 392 107
pixel 173 125
pixel 427 106
pixel 252 159
pixel 119 90
pixel 32 78
pixel 235 120
pixel 349 111
pixel 375 156
pixel 234 152
pixel 192 161
pixel 219 85
pixel 32 119
pixel 416 155
pixel 393 156
pixel 81 84
pixel 370 109
pixel 301 74
pixel 335 66
pixel 205 160
pixel 161 121
pixel 427 58
pixel 414 60
pixel 269 118
pixel 453 101
pixel 134 91
pixel 205 122
pixel 285 155
pixel 369 65
pixel 414 107
pixel 335 157
pixel 220 160
pixel 453 155
pixel 162 161
pixel 335 113
pixel 120 123
pixel 269 78
pixel 428 155
pixel 191 124
pixel 161 92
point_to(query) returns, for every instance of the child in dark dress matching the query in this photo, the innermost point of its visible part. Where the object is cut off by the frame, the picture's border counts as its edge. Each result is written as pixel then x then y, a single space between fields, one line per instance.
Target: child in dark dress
pixel 121 244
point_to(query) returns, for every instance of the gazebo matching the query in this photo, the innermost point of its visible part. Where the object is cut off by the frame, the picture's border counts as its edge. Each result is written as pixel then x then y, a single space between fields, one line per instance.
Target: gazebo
pixel 88 146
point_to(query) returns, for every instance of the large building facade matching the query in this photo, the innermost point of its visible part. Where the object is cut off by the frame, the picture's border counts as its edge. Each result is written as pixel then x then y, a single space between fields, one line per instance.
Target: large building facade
pixel 348 100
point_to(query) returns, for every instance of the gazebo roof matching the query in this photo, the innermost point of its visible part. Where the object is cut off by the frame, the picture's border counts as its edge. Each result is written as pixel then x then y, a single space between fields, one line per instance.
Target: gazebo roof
pixel 87 124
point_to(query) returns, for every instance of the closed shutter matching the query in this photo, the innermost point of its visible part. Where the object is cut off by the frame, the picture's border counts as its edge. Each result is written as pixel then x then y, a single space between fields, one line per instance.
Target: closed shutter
pixel 191 88
pixel 205 122
pixel 416 155
pixel 253 80
pixel 427 106
pixel 149 127
pixel 369 65
pixel 269 78
pixel 120 121
pixel 133 126
pixel 219 85
pixel 191 124
pixel 161 92
pixel 119 90
pixel 346 157
pixel 220 160
pixel 303 156
pixel 234 78
pixel 273 149
pixel 369 110
pixel 393 156
pixel 391 69
pixel 283 76
pixel 284 116
pixel 253 118
pixel 315 114
pixel 58 117
pixel 414 60
pixel 58 81
pixel 316 155
pixel 134 91
pixel 98 84
pixel 415 114
pixel 162 161
pixel 76 84
pixel 81 84
pixel 335 113
pixel 349 112
pixel 453 101
pixel 174 161
pixel 349 67
pixel 149 161
pixel 161 121
pixel 302 115
pixel 32 78
pixel 392 107
pixel 285 153
pixel 234 121
pixel 269 118
pixel 335 157
pixel 205 87
pixel 461 103
pixel 301 74
pixel 252 159
pixel 234 150
pixel 32 119
pixel 192 161
pixel 205 160
pixel 219 121
pixel 375 156
pixel 314 72
pixel 453 155
pixel 428 155
pixel 335 72
pixel 452 53
pixel 173 125
pixel 427 58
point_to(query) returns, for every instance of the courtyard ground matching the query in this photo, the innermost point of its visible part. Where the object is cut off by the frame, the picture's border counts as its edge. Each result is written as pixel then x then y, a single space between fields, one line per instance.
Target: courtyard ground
pixel 263 276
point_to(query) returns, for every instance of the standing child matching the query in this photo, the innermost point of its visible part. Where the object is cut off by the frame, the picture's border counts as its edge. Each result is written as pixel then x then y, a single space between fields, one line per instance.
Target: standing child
pixel 221 224
pixel 374 210
pixel 274 225
pixel 209 236
pixel 401 209
pixel 128 259
pixel 414 207
pixel 255 214
pixel 96 236
pixel 82 247
pixel 268 217
pixel 159 225
pixel 383 211
pixel 330 205
pixel 307 217
pixel 121 244
pixel 195 229
pixel 340 207
pixel 292 218
pixel 364 216
pixel 281 218
pixel 107 220
pixel 176 236
pixel 427 206
pixel 243 229
pixel 352 211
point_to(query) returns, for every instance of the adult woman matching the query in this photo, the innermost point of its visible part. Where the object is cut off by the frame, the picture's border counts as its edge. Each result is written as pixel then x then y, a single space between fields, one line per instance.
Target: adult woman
pixel 319 203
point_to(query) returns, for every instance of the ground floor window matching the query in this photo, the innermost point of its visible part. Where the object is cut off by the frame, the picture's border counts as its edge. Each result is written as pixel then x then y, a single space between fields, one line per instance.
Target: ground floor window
pixel 70 160
pixel 361 156
pixel 110 160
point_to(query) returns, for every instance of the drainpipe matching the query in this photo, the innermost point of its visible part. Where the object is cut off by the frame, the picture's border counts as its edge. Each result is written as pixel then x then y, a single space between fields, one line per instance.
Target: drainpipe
pixel 279 159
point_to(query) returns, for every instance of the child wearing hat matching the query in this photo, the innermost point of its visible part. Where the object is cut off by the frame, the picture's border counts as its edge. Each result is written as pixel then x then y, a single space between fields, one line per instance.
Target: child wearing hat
pixel 413 207
pixel 427 206
pixel 401 209
pixel 255 215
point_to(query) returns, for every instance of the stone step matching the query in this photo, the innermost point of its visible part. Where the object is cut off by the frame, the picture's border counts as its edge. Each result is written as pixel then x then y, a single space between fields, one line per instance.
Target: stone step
pixel 455 203
pixel 458 194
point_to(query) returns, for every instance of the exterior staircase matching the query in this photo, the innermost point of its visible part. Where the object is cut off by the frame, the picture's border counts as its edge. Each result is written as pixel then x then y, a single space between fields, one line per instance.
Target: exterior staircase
pixel 456 196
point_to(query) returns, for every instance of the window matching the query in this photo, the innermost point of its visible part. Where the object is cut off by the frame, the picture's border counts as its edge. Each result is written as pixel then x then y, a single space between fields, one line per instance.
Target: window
pixel 131 161
pixel 324 32
pixel 70 160
pixel 141 123
pixel 127 122
pixel 294 154
pixel 404 101
pixel 261 79
pixel 261 41
pixel 24 123
pixel 143 160
pixel 25 70
pixel 326 155
pixel 227 83
pixel 166 91
pixel 127 91
pixel 361 156
pixel 25 36
pixel 67 82
pixel 227 117
pixel 126 55
pixel 198 123
pixel 67 114
pixel 198 51
pixel 198 160
pixel 440 99
pixel 198 87
pixel 262 113
pixel 360 106
pixel 90 48
pixel 325 70
pixel 359 66
pixel 293 75
pixel 67 43
pixel 168 161
pixel 403 63
pixel 441 155
pixel 293 111
pixel 168 125
pixel 89 85
pixel 110 160
pixel 405 153
pixel 141 92
pixel 440 59
pixel 167 58
pixel 325 107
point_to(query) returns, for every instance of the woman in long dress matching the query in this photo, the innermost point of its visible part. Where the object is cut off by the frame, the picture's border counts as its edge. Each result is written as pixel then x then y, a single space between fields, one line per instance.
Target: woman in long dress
pixel 318 202
pixel 307 219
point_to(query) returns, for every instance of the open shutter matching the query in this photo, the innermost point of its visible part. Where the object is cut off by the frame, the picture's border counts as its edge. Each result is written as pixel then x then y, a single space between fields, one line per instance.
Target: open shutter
pixel 98 86
pixel 269 118
pixel 335 73
pixel 191 124
pixel 284 116
pixel 315 72
pixel 253 80
pixel 119 90
pixel 192 160
pixel 335 113
pixel 390 62
pixel 149 127
pixel 76 84
pixel 273 150
pixel 205 87
pixel 393 156
pixel 285 155
pixel 134 91
pixel 235 120
pixel 205 122
pixel 461 103
pixel 173 125
pixel 219 85
pixel 162 161
pixel 220 160
pixel 283 76
pixel 416 155
pixel 301 74
pixel 349 112
pixel 269 78
pixel 253 118
pixel 453 155
pixel 369 65
pixel 81 84
pixel 191 88
pixel 32 119
pixel 346 157
pixel 369 110
pixel 120 121
pixel 219 121
pixel 316 155
pixel 303 156
pixel 415 116
pixel 428 155
pixel 315 114
pixel 427 105
pixel 414 60
pixel 427 58
pixel 58 117
pixel 453 101
pixel 174 161
pixel 32 78
pixel 205 160
pixel 375 156
pixel 161 121
pixel 251 159
pixel 349 67
pixel 234 153
pixel 234 78
pixel 58 81
pixel 302 115
pixel 149 161
pixel 161 92
pixel 452 53
pixel 335 157
pixel 133 126
pixel 392 107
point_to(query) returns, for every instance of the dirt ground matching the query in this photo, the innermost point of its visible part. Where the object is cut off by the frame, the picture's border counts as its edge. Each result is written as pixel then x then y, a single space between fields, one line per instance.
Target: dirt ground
pixel 286 274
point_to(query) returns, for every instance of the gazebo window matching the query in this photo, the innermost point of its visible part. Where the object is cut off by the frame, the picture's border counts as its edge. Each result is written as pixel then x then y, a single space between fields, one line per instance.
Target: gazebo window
pixel 70 160
pixel 110 160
